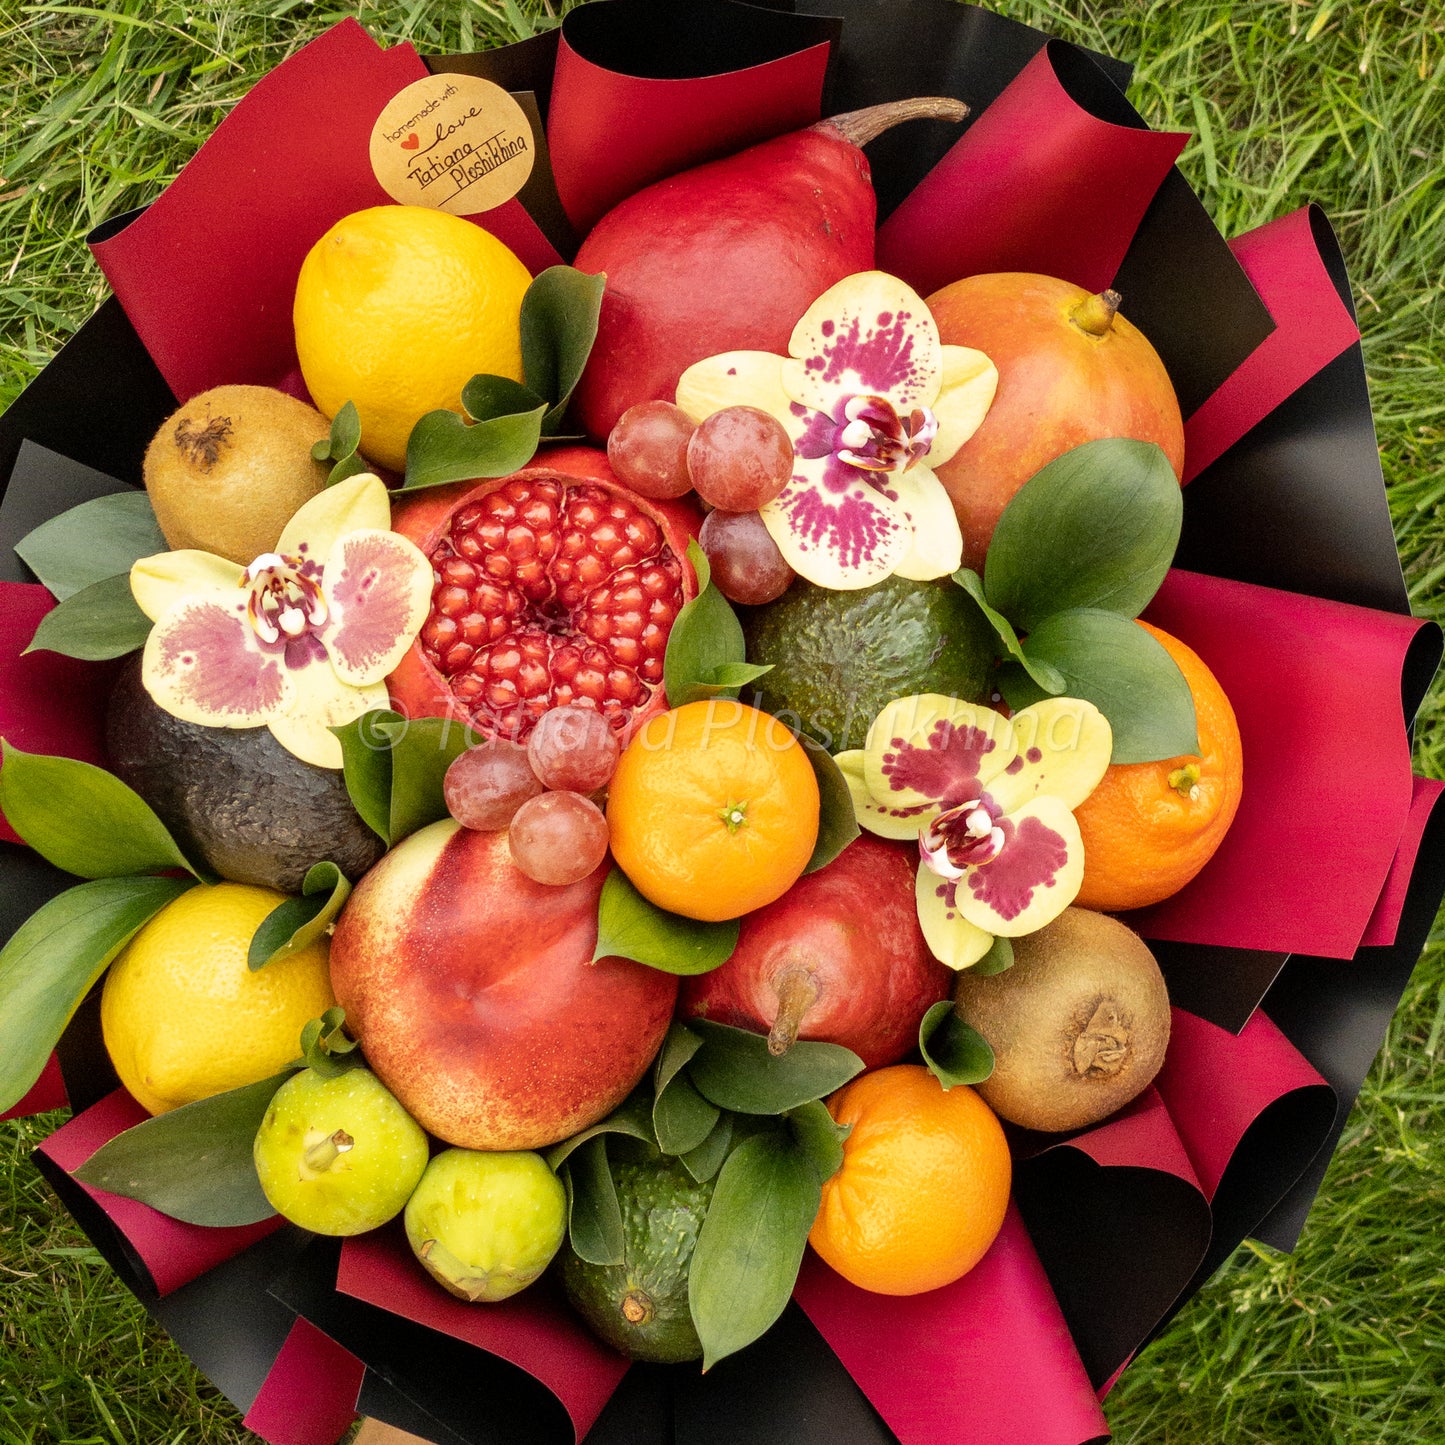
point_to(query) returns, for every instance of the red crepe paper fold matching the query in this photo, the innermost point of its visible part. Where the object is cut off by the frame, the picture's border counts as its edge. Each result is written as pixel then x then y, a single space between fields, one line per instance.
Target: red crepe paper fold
pixel 612 134
pixel 48 703
pixel 309 1396
pixel 985 1360
pixel 1384 922
pixel 207 273
pixel 1218 1084
pixel 167 1252
pixel 533 1330
pixel 1315 686
pixel 1313 325
pixel 47 1093
pixel 1054 177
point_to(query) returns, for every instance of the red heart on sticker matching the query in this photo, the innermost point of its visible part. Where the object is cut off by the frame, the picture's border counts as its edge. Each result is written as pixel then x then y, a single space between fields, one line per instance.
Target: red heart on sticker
pixel 411 142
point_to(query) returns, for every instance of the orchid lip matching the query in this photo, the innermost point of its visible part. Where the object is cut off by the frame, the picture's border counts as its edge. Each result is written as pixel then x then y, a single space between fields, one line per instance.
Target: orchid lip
pixel 966 836
pixel 286 601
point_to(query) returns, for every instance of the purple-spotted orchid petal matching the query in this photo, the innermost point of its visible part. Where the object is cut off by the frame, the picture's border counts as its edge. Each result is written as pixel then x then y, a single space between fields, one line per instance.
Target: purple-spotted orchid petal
pixel 299 641
pixel 989 800
pixel 929 753
pixel 871 401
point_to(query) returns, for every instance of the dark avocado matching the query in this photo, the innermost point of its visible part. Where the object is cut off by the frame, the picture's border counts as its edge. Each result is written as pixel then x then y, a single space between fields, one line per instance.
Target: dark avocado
pixel 234 798
pixel 839 658
pixel 640 1306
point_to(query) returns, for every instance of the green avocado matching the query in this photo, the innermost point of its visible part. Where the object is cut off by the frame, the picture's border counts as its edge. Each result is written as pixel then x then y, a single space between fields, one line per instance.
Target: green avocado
pixel 640 1306
pixel 234 798
pixel 839 658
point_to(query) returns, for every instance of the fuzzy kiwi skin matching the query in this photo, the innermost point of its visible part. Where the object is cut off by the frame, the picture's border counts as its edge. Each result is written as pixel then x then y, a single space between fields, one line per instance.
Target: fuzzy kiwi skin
pixel 227 471
pixel 1078 1025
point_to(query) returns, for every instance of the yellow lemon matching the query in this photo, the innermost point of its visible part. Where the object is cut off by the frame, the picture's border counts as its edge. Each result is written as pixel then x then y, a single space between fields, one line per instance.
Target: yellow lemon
pixel 184 1017
pixel 397 308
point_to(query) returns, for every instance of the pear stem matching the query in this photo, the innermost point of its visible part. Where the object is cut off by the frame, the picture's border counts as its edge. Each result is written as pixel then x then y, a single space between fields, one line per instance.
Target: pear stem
pixel 1095 314
pixel 323 1154
pixel 858 127
pixel 797 991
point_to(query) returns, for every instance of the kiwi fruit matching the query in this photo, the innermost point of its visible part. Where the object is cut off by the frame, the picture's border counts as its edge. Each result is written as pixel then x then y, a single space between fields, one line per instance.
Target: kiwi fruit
pixel 228 470
pixel 1078 1025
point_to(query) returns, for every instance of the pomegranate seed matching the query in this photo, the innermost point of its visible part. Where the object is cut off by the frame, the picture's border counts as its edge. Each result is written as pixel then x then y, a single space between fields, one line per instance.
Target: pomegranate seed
pixel 452 601
pixel 458 656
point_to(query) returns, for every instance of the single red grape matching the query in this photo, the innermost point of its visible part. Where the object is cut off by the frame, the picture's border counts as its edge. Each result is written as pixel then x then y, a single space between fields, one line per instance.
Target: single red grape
pixel 746 564
pixel 648 449
pixel 558 838
pixel 740 458
pixel 486 785
pixel 573 748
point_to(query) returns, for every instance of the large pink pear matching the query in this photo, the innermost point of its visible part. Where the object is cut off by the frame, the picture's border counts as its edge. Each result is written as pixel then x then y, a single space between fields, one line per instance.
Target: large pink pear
pixel 472 991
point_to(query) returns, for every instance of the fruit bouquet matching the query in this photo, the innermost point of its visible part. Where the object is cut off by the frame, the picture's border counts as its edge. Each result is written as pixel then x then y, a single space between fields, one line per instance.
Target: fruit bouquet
pixel 666 725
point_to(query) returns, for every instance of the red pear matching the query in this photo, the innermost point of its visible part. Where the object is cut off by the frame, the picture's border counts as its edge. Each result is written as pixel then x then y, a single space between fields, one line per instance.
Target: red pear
pixel 839 957
pixel 728 256
pixel 474 995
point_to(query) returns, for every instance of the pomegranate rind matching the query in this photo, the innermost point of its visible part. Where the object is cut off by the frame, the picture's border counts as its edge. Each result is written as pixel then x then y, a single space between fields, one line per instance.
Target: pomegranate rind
pixel 416 687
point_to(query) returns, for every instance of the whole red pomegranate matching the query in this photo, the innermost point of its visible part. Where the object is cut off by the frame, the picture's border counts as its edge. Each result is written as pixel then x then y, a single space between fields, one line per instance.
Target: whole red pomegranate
pixel 473 992
pixel 839 957
pixel 554 585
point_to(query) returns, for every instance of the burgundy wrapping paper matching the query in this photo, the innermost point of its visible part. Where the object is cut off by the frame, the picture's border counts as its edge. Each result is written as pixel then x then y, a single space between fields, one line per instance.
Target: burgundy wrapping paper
pixel 669 125
pixel 980 1362
pixel 1061 144
pixel 1315 686
pixel 1384 922
pixel 1312 327
pixel 168 1253
pixel 207 273
pixel 309 1397
pixel 47 1093
pixel 534 1330
pixel 1217 1085
pixel 48 703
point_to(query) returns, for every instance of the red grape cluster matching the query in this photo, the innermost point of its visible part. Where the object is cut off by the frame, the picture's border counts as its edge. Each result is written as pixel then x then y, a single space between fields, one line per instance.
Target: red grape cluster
pixel 538 792
pixel 738 460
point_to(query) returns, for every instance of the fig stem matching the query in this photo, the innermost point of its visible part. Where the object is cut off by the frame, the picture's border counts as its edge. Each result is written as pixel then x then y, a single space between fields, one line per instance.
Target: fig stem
pixel 1095 314
pixel 797 991
pixel 325 1152
pixel 858 127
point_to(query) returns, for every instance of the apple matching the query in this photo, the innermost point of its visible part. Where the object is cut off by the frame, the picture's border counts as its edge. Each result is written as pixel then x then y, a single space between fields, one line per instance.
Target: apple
pixel 338 1155
pixel 486 1225
pixel 473 993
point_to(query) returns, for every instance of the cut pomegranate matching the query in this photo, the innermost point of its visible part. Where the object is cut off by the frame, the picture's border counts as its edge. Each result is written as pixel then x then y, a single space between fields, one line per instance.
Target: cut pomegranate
pixel 554 586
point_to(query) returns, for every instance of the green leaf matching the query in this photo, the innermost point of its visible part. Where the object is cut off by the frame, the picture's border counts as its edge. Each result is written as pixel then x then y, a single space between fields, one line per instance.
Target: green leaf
pixel 487 397
pixel 193 1163
pixel 816 1134
pixel 326 1048
pixel 735 1070
pixel 89 543
pixel 1097 527
pixel 341 446
pixel 954 1052
pixel 1116 665
pixel 53 959
pixel 100 622
pixel 751 1244
pixel 633 1117
pixel 739 674
pixel 629 926
pixel 594 1217
pixel 1048 678
pixel 705 1161
pixel 559 326
pixel 366 767
pixel 998 959
pixel 837 820
pixel 706 638
pixel 298 922
pixel 443 448
pixel 422 750
pixel 83 819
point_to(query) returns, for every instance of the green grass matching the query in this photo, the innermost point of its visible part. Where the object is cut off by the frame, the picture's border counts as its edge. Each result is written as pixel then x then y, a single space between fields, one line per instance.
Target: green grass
pixel 1340 1344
